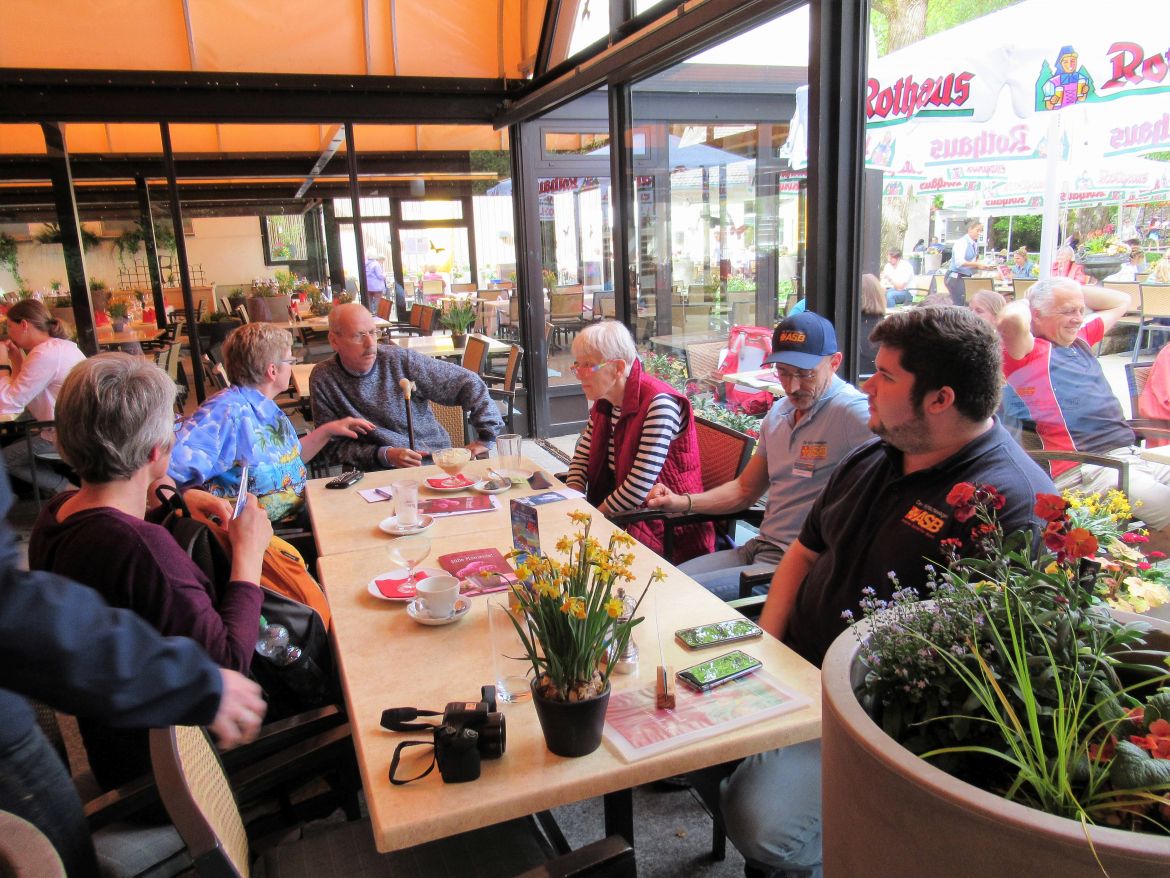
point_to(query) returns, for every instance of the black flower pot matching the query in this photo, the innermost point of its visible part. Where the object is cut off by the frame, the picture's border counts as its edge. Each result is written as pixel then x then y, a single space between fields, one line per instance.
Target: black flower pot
pixel 571 728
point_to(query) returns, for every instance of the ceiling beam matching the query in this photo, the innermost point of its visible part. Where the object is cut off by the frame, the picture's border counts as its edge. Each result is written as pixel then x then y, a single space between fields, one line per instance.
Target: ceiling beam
pixel 33 95
pixel 327 154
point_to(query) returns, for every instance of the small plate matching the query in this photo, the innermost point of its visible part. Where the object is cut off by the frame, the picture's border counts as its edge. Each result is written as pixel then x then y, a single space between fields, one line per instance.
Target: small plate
pixel 415 611
pixel 518 476
pixel 391 526
pixel 482 487
pixel 439 484
pixel 408 592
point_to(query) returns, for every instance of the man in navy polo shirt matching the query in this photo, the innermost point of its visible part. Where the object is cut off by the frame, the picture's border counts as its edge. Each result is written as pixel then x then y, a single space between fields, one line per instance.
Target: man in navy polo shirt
pixel 804 436
pixel 881 516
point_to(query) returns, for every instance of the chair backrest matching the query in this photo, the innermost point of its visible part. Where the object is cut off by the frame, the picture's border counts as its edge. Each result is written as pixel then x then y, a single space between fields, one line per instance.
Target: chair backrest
pixel 514 309
pixel 566 304
pixel 427 314
pixel 475 353
pixel 972 285
pixel 512 369
pixel 696 293
pixel 606 306
pixel 1132 289
pixel 743 314
pixel 195 792
pixel 453 419
pixel 463 288
pixel 433 287
pixel 384 306
pixel 571 288
pixel 702 358
pixel 216 372
pixel 1121 467
pixel 1136 376
pixel 503 285
pixel 242 313
pixel 1021 286
pixel 1155 300
pixel 723 452
pixel 25 851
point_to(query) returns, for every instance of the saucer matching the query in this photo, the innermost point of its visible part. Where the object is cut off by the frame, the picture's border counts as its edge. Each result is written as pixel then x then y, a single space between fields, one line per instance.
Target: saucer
pixel 518 476
pixel 397 577
pixel 391 526
pixel 482 484
pixel 440 485
pixel 415 611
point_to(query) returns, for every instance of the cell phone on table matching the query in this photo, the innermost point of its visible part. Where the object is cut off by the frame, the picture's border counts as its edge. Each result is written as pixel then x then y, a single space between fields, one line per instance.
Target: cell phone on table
pixel 346 479
pixel 719 670
pixel 242 496
pixel 717 633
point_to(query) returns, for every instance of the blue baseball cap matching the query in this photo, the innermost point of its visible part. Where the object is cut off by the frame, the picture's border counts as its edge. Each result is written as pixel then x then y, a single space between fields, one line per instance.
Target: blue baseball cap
pixel 803 340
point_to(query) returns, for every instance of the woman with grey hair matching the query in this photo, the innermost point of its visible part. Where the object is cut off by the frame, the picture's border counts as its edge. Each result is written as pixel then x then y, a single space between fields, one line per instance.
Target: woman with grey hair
pixel 641 432
pixel 1064 264
pixel 242 424
pixel 115 428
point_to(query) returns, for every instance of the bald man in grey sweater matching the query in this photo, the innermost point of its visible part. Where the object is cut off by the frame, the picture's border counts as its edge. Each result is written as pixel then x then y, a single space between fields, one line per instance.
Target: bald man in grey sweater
pixel 362 380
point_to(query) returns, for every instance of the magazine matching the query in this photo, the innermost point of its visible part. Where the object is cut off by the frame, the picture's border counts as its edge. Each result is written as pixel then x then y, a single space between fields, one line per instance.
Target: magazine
pixel 638 729
pixel 485 569
pixel 438 507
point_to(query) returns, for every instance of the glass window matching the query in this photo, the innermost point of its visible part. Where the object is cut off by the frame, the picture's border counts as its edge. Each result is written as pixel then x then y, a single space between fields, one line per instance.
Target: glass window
pixel 371 207
pixel 284 239
pixel 432 210
pixel 594 143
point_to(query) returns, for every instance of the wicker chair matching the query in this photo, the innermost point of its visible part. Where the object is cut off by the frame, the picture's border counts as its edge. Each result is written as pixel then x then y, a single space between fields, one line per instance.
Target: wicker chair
pixel 453 419
pixel 1136 375
pixel 503 390
pixel 25 852
pixel 703 358
pixel 197 797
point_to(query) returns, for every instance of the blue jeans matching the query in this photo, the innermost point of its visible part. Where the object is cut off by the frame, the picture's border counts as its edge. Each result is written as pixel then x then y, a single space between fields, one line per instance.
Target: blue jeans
pixel 719 571
pixel 35 785
pixel 897 297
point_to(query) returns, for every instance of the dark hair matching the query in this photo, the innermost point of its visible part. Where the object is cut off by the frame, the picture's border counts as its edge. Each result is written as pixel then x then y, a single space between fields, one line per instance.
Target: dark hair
pixel 895 251
pixel 947 347
pixel 34 311
pixel 972 223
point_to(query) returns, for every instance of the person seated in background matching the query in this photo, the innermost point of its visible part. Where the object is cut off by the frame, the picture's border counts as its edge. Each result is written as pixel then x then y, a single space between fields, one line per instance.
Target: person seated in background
pixel 873 312
pixel 1060 393
pixel 41 355
pixel 1065 265
pixel 805 434
pixel 116 431
pixel 987 304
pixel 1128 272
pixel 362 382
pixel 897 275
pixel 242 425
pixel 641 431
pixel 1154 401
pixel 1160 273
pixel 937 300
pixel 1021 268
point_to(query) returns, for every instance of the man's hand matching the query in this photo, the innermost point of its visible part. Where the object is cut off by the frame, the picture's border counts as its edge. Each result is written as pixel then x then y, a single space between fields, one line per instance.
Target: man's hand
pixel 477 448
pixel 401 457
pixel 661 497
pixel 205 505
pixel 241 708
pixel 250 533
pixel 350 428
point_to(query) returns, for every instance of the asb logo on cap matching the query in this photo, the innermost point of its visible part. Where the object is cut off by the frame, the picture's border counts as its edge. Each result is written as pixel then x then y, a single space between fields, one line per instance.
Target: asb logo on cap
pixel 791 336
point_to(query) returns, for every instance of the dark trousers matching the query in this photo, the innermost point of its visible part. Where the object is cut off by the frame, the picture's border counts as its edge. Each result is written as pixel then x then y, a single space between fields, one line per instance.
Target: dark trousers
pixel 954 282
pixel 35 785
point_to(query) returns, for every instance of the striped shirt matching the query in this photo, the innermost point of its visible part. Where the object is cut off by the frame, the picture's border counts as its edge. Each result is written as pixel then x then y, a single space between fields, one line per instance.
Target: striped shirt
pixel 662 425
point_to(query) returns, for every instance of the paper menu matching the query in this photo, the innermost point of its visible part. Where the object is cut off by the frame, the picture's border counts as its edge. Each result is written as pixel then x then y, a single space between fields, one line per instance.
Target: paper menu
pixel 486 570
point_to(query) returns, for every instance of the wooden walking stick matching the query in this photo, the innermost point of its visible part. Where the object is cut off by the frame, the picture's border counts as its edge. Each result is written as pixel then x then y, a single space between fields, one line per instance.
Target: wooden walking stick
pixel 407 386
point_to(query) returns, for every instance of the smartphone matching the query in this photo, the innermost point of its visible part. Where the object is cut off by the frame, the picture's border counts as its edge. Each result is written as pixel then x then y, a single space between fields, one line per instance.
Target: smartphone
pixel 242 496
pixel 346 479
pixel 717 671
pixel 539 481
pixel 717 633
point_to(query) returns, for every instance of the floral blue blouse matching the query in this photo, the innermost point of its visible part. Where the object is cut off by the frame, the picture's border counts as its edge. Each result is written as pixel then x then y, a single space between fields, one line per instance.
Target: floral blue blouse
pixel 236 426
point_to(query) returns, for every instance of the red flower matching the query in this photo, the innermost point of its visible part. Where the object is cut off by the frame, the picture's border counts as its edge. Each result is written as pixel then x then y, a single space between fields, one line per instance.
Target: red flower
pixel 1137 715
pixel 964 513
pixel 1103 752
pixel 1155 556
pixel 992 497
pixel 1133 538
pixel 1157 742
pixel 961 495
pixel 1050 507
pixel 1054 536
pixel 1079 543
pixel 1144 565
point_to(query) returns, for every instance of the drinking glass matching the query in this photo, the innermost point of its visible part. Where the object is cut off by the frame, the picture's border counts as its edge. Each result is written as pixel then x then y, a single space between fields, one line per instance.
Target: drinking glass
pixel 406 503
pixel 509 661
pixel 508 451
pixel 409 551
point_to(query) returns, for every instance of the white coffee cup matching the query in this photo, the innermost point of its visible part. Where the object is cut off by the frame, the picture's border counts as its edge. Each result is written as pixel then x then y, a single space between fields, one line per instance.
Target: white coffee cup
pixel 437 595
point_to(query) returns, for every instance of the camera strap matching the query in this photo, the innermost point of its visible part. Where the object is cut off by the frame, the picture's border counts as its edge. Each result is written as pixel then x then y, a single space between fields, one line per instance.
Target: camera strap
pixel 397 719
pixel 397 755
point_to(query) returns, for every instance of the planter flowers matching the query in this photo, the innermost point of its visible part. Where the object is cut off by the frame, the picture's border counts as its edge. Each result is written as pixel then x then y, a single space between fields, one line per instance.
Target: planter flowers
pixel 570 615
pixel 1014 675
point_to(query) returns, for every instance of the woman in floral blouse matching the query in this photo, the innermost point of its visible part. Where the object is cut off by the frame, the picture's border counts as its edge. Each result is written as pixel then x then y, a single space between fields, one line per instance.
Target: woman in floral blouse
pixel 242 425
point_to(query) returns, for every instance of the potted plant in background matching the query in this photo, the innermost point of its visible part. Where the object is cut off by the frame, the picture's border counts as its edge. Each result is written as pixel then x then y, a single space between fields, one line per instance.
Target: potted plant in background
pixel 1011 718
pixel 570 615
pixel 118 307
pixel 267 303
pixel 214 327
pixel 458 315
pixel 1101 255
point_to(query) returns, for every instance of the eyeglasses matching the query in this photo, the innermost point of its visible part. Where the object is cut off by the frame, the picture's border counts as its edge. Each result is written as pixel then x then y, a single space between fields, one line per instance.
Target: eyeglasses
pixel 288 361
pixel 581 371
pixel 802 375
pixel 359 337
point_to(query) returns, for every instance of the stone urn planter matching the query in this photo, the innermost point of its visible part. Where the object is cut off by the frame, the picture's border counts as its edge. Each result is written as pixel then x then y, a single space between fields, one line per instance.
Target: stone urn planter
pixel 269 309
pixel 1101 266
pixel 931 262
pixel 889 813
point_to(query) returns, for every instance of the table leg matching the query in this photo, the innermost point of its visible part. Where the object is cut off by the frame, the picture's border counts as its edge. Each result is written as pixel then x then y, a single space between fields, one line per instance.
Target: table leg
pixel 619 814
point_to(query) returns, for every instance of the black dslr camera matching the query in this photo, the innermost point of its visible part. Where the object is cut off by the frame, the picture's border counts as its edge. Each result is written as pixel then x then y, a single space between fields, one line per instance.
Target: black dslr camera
pixel 468 731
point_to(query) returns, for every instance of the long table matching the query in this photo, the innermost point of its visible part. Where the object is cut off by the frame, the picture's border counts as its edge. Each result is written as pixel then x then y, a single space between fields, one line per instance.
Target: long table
pixel 386 660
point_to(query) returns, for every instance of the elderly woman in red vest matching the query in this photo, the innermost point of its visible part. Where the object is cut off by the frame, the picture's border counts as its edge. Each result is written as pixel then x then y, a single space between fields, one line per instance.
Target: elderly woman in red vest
pixel 640 432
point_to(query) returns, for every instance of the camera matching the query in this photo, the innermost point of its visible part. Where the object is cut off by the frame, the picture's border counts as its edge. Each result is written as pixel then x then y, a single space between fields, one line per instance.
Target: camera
pixel 467 732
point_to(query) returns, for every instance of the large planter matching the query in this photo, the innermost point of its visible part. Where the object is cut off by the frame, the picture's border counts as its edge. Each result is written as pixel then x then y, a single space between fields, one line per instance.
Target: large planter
pixel 931 262
pixel 269 309
pixel 889 813
pixel 1102 266
pixel 571 728
pixel 212 334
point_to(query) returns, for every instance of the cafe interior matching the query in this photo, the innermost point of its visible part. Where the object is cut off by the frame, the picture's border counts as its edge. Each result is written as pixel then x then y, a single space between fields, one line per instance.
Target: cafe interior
pixel 692 169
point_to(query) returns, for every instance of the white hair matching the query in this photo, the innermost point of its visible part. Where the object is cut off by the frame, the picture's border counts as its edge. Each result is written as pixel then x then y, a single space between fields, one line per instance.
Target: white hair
pixel 1042 293
pixel 608 340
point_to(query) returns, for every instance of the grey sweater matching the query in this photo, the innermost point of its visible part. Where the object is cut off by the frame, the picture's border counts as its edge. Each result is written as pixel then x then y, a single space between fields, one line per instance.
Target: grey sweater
pixel 376 396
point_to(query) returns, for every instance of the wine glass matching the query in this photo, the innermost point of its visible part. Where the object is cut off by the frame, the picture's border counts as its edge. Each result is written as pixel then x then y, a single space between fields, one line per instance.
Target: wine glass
pixel 451 460
pixel 409 551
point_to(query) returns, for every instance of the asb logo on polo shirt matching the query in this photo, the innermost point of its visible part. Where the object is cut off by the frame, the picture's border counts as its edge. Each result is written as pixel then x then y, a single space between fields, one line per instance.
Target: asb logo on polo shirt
pixel 791 336
pixel 924 518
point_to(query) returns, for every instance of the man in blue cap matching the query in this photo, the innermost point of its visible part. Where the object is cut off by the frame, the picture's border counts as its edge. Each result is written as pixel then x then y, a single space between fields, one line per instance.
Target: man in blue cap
pixel 802 439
